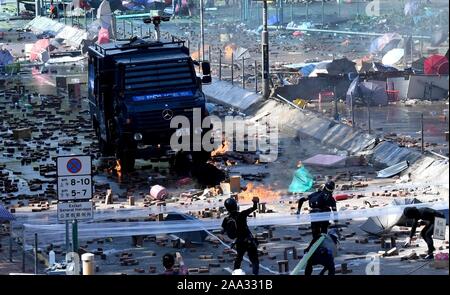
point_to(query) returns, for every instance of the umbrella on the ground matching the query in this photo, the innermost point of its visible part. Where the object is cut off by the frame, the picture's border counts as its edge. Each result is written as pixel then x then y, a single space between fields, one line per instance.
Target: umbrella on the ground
pixel 341 66
pixel 5 215
pixel 385 43
pixel 436 65
pixel 379 225
pixel 38 49
pixel 393 56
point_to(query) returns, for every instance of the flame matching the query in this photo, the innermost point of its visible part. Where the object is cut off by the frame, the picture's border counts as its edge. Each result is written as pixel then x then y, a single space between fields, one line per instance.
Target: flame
pixel 229 50
pixel 118 169
pixel 221 150
pixel 265 194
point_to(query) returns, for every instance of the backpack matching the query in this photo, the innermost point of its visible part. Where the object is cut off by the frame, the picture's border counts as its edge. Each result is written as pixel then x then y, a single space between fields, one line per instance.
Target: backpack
pixel 230 227
pixel 317 200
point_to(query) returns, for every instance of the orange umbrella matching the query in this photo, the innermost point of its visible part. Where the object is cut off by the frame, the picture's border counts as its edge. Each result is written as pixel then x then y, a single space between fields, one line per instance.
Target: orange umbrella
pixel 38 48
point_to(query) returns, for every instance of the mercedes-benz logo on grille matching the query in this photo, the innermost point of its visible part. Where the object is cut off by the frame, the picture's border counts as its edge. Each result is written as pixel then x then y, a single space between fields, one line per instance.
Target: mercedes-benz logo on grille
pixel 167 114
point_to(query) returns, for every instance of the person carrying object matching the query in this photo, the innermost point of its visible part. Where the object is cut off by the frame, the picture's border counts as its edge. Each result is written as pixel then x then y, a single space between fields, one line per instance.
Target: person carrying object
pixel 236 227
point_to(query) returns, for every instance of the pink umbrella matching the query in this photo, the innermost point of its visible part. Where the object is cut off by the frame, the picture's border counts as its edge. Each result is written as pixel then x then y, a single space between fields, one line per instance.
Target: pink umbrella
pixel 38 48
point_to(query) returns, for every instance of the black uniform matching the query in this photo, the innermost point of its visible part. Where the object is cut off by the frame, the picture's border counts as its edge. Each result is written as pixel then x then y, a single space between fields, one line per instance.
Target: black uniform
pixel 321 201
pixel 427 215
pixel 245 242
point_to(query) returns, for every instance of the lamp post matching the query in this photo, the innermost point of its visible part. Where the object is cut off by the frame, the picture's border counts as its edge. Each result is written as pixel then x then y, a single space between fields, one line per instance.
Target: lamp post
pixel 202 32
pixel 265 53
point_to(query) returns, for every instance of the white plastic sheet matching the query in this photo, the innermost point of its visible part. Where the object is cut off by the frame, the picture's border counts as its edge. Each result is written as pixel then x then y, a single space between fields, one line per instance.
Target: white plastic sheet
pixel 55 233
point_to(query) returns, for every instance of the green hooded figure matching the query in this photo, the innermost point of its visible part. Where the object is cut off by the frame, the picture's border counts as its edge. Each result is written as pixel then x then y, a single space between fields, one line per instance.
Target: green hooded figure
pixel 302 181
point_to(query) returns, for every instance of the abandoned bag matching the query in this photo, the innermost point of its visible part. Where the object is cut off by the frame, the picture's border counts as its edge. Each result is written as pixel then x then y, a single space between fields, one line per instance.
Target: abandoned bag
pixel 230 227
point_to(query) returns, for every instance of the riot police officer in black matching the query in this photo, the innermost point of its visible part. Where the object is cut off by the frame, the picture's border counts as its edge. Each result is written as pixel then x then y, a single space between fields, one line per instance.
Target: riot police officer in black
pixel 320 201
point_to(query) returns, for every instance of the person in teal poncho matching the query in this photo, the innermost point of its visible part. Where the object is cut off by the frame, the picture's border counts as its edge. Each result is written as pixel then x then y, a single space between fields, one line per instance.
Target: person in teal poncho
pixel 302 181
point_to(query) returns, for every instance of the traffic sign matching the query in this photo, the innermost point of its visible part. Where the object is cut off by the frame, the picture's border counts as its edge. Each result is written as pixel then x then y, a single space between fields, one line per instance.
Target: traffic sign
pixel 75 210
pixel 74 165
pixel 74 178
pixel 74 188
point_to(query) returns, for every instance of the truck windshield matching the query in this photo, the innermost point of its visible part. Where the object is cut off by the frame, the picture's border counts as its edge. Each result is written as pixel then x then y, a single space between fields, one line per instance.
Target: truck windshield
pixel 169 76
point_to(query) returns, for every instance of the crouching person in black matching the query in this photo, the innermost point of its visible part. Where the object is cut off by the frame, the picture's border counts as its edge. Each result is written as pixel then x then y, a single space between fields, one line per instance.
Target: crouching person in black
pixel 427 216
pixel 235 225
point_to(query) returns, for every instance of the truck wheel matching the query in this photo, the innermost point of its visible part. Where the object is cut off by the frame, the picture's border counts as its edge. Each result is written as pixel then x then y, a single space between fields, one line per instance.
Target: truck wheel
pixel 127 160
pixel 200 157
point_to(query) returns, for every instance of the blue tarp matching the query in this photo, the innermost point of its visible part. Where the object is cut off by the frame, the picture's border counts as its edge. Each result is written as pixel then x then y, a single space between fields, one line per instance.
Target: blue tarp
pixel 302 181
pixel 307 70
pixel 5 215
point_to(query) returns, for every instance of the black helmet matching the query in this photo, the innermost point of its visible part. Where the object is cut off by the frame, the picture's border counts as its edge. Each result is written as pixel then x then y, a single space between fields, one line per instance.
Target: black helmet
pixel 168 261
pixel 330 186
pixel 231 205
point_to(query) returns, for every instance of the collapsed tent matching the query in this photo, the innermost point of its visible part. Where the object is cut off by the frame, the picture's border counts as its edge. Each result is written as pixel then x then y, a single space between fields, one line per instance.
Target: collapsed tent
pixel 436 65
pixel 385 43
pixel 370 92
pixel 341 66
pixel 302 181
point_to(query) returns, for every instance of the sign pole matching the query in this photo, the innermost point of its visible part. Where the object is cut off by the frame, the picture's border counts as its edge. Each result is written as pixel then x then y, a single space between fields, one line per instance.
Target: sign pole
pixel 75 236
pixel 67 237
pixel 35 253
pixel 265 53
